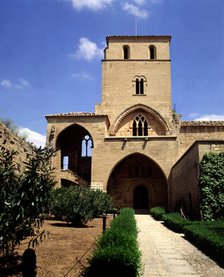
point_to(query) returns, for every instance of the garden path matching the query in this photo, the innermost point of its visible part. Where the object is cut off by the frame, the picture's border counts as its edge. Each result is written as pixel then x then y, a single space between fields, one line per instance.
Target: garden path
pixel 168 254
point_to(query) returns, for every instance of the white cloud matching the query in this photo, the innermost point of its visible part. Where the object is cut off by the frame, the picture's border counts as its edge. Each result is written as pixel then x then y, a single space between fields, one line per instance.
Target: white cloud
pixel 94 5
pixel 33 137
pixel 22 83
pixel 82 76
pixel 88 50
pixel 139 2
pixel 6 83
pixel 210 117
pixel 19 84
pixel 135 10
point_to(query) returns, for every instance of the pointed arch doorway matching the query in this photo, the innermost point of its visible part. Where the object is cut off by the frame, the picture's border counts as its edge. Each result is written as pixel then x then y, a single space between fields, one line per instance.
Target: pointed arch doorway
pixel 137 182
pixel 141 197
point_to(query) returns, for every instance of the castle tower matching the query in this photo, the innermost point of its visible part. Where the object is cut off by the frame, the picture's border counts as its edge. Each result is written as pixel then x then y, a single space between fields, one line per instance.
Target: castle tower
pixel 136 71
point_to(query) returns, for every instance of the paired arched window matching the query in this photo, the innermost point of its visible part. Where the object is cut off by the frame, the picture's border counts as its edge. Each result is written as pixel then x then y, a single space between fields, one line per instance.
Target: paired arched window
pixel 152 52
pixel 87 146
pixel 139 83
pixel 140 126
pixel 126 53
pixel 139 86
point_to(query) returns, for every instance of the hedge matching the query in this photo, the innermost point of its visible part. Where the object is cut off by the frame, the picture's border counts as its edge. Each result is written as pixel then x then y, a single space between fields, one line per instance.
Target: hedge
pixel 157 212
pixel 175 222
pixel 117 253
pixel 208 236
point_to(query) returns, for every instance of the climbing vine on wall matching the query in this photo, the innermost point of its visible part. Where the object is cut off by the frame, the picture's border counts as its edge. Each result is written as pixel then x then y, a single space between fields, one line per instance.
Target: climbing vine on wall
pixel 212 185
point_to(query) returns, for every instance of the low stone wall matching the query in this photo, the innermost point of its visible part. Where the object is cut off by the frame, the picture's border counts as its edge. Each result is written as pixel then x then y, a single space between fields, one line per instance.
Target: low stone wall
pixel 10 141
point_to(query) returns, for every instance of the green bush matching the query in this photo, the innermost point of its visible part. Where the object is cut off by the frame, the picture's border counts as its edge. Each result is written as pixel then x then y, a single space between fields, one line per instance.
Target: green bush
pixel 207 235
pixel 24 197
pixel 157 212
pixel 78 204
pixel 117 252
pixel 175 222
pixel 212 185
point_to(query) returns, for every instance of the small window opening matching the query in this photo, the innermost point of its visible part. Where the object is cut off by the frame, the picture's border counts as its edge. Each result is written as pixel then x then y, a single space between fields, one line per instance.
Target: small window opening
pixel 65 163
pixel 126 52
pixel 87 146
pixel 142 86
pixel 140 126
pixel 152 50
pixel 139 86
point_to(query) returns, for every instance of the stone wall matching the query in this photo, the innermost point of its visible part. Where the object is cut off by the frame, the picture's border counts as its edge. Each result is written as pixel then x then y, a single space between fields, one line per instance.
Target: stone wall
pixel 10 141
pixel 185 173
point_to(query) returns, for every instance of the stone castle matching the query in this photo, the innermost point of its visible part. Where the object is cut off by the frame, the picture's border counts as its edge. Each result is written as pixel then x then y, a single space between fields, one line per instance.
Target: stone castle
pixel 134 146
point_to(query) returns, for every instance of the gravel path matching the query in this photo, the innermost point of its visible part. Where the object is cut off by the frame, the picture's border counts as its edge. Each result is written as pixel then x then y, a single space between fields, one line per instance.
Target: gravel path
pixel 168 254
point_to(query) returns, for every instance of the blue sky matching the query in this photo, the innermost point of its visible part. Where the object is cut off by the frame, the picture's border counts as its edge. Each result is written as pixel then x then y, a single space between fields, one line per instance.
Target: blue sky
pixel 51 51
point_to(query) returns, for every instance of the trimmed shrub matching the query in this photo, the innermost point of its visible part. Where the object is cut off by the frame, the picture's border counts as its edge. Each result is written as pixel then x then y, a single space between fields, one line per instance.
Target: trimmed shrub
pixel 175 222
pixel 117 253
pixel 78 204
pixel 208 236
pixel 157 212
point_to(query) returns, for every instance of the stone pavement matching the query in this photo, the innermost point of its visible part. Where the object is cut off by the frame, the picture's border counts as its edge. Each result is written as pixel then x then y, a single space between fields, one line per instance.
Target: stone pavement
pixel 164 253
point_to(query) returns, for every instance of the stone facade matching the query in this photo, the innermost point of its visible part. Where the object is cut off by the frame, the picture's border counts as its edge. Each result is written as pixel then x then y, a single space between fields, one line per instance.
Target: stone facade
pixel 130 145
pixel 10 141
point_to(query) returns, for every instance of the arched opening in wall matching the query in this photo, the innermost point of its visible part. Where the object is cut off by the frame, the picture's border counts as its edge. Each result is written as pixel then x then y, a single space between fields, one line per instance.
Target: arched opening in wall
pixel 126 52
pixel 87 144
pixel 152 52
pixel 141 197
pixel 67 183
pixel 132 177
pixel 75 144
pixel 65 162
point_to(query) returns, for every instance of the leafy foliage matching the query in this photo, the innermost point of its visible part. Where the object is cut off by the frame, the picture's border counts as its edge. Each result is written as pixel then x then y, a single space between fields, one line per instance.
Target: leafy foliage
pixel 157 212
pixel 117 252
pixel 23 198
pixel 212 185
pixel 79 204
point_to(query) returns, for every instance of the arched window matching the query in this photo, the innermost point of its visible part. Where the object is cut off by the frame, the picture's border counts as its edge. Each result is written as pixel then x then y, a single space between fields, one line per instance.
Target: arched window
pixel 152 52
pixel 65 163
pixel 126 50
pixel 87 146
pixel 140 126
pixel 139 86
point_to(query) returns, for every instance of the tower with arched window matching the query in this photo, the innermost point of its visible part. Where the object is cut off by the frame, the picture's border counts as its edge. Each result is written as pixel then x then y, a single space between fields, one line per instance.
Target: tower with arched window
pixel 134 146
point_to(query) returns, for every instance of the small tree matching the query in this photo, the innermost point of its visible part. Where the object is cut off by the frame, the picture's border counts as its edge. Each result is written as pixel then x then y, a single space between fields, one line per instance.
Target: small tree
pixel 24 197
pixel 212 185
pixel 78 205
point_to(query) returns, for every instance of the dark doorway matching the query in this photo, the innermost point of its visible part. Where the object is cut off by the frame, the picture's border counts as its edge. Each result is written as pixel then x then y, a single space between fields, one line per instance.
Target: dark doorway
pixel 141 197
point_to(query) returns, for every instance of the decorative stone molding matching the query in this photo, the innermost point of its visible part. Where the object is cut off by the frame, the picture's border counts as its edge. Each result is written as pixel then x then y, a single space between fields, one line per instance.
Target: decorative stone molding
pixel 154 113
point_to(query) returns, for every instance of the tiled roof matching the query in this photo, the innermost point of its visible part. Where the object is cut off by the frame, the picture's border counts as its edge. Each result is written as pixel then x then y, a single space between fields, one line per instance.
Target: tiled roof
pixel 202 123
pixel 72 114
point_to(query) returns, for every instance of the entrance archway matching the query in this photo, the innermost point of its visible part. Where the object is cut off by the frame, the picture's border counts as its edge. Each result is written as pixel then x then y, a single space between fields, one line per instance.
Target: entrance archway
pixel 138 182
pixel 74 145
pixel 141 197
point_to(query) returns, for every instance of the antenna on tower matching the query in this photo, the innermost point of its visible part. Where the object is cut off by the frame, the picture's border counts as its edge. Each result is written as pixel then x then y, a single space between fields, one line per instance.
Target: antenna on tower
pixel 136 25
